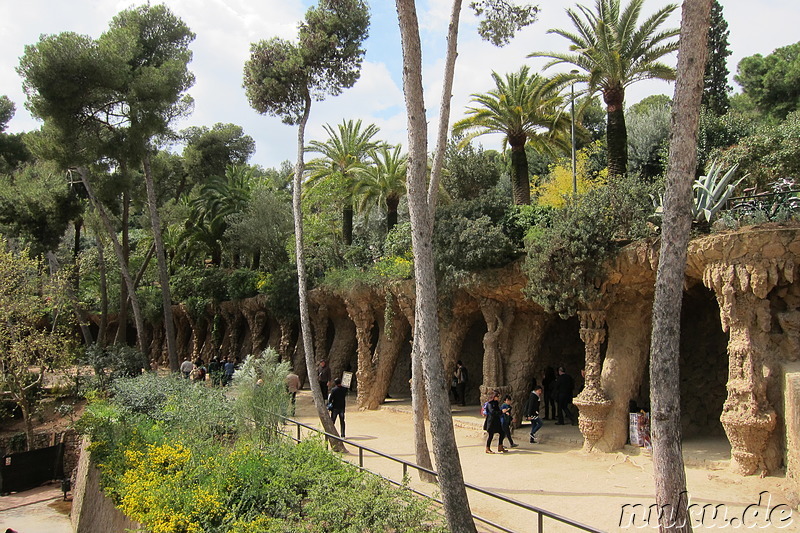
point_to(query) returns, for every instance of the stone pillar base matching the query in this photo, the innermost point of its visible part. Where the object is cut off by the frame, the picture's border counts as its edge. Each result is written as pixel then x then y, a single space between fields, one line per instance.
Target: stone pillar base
pixel 593 408
pixel 748 434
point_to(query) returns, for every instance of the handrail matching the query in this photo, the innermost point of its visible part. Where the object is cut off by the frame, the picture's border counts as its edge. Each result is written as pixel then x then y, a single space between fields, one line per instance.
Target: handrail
pixel 540 513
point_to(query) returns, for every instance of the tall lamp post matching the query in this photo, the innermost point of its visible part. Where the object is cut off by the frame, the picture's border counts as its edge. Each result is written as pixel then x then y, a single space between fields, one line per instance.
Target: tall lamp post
pixel 572 128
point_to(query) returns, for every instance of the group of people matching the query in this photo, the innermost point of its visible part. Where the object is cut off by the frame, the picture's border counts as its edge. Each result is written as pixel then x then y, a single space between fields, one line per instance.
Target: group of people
pixel 556 392
pixel 221 372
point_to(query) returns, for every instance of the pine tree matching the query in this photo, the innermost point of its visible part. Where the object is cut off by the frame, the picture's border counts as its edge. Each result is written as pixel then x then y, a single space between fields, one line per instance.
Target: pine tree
pixel 715 80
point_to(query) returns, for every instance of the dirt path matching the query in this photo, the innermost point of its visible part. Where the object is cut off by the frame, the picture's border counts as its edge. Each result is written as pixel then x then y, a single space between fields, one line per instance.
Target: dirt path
pixel 41 510
pixel 557 476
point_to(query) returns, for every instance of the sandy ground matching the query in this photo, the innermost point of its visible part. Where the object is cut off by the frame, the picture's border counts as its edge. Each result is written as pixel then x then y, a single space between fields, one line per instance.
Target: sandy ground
pixel 40 510
pixel 553 474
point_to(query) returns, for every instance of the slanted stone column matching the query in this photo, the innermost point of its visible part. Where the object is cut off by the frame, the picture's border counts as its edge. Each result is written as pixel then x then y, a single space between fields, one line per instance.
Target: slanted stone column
pixel 593 405
pixel 360 312
pixel 319 322
pixel 747 416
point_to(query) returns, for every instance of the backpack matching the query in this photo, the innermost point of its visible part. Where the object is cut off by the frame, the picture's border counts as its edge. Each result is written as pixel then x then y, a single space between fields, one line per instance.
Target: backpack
pixel 485 409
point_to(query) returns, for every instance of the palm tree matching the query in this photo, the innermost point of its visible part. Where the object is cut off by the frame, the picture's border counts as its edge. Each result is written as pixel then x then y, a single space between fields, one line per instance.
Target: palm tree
pixel 343 156
pixel 219 198
pixel 613 52
pixel 525 108
pixel 383 182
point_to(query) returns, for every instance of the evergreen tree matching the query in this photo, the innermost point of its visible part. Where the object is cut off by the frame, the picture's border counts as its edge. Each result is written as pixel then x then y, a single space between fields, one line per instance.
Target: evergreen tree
pixel 715 80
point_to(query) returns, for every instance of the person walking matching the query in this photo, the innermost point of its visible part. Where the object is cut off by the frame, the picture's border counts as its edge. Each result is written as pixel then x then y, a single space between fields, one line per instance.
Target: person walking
pixel 336 401
pixel 227 371
pixel 292 386
pixel 186 368
pixel 532 412
pixel 461 376
pixel 549 389
pixel 324 377
pixel 492 423
pixel 564 386
pixel 506 418
pixel 215 371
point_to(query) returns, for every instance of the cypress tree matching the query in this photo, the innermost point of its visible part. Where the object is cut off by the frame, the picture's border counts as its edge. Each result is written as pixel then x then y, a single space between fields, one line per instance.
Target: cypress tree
pixel 715 80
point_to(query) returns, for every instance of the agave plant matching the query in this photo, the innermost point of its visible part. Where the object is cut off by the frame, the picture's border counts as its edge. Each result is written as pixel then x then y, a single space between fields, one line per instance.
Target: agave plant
pixel 711 192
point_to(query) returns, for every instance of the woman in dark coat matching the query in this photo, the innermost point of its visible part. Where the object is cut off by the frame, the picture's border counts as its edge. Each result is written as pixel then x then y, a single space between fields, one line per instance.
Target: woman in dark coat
pixel 492 423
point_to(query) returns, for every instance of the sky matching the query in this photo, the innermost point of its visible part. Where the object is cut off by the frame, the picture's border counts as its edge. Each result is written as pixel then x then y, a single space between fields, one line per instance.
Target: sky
pixel 226 28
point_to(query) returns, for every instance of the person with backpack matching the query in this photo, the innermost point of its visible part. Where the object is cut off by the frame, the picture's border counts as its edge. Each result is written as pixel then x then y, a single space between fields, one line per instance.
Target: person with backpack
pixel 506 418
pixel 492 423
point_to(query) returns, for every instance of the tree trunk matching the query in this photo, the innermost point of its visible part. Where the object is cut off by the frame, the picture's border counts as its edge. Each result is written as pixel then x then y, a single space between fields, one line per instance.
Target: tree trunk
pixel 161 260
pixel 519 174
pixel 347 223
pixel 426 326
pixel 670 475
pixel 102 333
pixel 302 290
pixel 616 132
pixel 421 451
pixel 122 316
pixel 123 266
pixel 391 212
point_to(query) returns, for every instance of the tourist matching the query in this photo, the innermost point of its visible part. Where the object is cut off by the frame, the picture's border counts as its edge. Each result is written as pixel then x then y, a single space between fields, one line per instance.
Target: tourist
pixel 532 412
pixel 460 377
pixel 186 368
pixel 215 370
pixel 153 365
pixel 549 389
pixel 506 418
pixel 564 386
pixel 336 403
pixel 324 377
pixel 227 371
pixel 492 423
pixel 292 385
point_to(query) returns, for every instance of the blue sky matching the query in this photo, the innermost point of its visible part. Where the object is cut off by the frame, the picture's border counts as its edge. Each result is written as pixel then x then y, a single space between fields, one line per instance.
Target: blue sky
pixel 225 29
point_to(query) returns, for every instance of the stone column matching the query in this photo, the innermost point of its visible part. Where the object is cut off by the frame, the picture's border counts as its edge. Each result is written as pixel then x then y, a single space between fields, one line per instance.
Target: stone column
pixel 361 314
pixel 747 416
pixel 592 403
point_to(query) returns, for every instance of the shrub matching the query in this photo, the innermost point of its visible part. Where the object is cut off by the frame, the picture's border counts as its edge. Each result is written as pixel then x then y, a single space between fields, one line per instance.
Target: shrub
pixel 565 262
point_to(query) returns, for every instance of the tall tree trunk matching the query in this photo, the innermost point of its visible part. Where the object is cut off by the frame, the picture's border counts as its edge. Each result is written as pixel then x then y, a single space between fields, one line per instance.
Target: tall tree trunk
pixel 421 451
pixel 670 475
pixel 519 170
pixel 102 333
pixel 161 260
pixel 616 131
pixel 302 289
pixel 122 317
pixel 347 223
pixel 426 327
pixel 123 267
pixel 391 212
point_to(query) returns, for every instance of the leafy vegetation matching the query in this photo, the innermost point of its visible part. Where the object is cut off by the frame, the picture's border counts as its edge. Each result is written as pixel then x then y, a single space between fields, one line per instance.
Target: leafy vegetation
pixel 177 456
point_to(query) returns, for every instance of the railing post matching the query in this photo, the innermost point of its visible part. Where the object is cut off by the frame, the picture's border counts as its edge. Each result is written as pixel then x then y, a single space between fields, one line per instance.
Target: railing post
pixel 298 432
pixel 540 517
pixel 405 470
pixel 361 457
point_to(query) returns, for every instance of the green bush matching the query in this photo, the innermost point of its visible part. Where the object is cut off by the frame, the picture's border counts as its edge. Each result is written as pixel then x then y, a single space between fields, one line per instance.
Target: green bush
pixel 565 261
pixel 241 284
pixel 161 468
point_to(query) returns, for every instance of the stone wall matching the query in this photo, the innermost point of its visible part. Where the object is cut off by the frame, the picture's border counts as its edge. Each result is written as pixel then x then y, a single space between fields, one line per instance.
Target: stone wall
pixel 791 405
pixel 93 511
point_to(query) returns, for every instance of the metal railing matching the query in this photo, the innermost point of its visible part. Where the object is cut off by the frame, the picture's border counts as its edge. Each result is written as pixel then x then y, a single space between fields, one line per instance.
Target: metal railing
pixel 540 513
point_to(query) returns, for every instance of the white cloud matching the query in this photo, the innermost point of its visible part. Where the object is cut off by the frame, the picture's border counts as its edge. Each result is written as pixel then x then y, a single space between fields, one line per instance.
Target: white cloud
pixel 225 29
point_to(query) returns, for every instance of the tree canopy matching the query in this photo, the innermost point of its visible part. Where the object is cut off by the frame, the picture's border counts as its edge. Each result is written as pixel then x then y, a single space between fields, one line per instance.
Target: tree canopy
pixel 772 82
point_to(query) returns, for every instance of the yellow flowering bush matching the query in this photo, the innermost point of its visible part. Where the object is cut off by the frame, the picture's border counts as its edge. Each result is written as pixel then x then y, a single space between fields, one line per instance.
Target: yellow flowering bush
pixel 161 489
